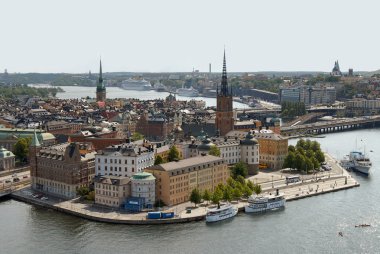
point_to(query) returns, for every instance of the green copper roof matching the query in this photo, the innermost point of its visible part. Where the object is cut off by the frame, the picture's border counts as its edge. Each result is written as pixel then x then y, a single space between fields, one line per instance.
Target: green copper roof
pixel 4 153
pixel 35 141
pixel 143 176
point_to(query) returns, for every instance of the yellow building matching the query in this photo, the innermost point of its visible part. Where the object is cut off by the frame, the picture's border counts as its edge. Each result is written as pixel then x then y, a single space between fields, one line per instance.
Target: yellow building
pixel 176 180
pixel 112 190
pixel 273 150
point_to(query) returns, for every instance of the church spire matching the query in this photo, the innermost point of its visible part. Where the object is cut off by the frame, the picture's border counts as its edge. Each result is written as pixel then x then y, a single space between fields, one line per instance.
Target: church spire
pixel 35 142
pixel 224 84
pixel 100 86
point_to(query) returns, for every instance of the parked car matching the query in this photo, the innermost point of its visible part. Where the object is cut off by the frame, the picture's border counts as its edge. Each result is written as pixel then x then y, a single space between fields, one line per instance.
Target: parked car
pixel 8 181
pixel 44 198
pixel 25 177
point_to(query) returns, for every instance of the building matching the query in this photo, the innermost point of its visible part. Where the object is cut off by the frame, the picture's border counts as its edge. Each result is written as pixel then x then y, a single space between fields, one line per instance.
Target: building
pixel 224 120
pixel 175 180
pixel 7 159
pixel 61 169
pixel 360 107
pixel 273 149
pixel 319 94
pixel 9 136
pixel 144 186
pixel 123 160
pixel 336 70
pixel 100 88
pixel 154 127
pixel 112 190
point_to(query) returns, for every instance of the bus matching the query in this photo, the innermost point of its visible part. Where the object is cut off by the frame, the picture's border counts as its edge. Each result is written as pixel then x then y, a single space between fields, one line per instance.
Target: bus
pixel 292 179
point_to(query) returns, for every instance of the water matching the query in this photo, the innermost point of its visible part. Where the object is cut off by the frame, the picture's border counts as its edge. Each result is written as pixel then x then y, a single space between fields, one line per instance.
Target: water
pixel 306 226
pixel 73 92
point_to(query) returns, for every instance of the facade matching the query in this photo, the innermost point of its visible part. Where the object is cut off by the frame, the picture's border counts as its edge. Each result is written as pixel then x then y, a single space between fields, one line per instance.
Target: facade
pixel 100 88
pixel 7 159
pixel 144 186
pixel 123 160
pixel 9 137
pixel 319 94
pixel 224 120
pixel 112 190
pixel 176 180
pixel 61 169
pixel 154 127
pixel 359 107
pixel 273 150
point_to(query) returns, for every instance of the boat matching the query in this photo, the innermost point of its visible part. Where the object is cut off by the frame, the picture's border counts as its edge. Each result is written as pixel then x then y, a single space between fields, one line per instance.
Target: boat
pixel 221 213
pixel 188 92
pixel 136 84
pixel 264 203
pixel 357 161
pixel 159 87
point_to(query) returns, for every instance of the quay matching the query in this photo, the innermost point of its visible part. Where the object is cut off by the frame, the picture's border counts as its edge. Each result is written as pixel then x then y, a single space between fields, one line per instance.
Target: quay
pixel 310 186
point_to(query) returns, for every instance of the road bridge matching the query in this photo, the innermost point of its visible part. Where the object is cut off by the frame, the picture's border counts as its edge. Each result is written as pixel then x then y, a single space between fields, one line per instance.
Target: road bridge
pixel 337 125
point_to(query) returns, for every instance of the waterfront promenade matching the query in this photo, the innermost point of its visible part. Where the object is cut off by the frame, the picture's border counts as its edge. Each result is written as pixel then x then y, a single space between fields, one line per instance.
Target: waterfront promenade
pixel 311 185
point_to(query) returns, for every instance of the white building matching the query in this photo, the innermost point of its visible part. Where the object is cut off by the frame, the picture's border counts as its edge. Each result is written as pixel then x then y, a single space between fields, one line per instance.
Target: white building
pixel 123 160
pixel 144 186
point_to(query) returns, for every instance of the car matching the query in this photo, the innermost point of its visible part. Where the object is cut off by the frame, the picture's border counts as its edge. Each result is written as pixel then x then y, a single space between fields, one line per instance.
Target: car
pixel 14 175
pixel 25 177
pixel 44 198
pixel 16 179
pixel 8 181
pixel 34 195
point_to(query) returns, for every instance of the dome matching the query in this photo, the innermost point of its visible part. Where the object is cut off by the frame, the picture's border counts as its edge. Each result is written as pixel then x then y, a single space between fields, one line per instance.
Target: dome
pixel 249 140
pixel 4 153
pixel 206 144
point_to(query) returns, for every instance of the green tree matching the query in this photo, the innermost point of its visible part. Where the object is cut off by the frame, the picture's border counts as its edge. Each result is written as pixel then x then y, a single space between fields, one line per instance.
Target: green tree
pixel 300 143
pixel 320 156
pixel 214 150
pixel 206 195
pixel 158 160
pixel 291 148
pixel 90 196
pixel 299 161
pixel 227 193
pixel 137 136
pixel 231 182
pixel 236 193
pixel 240 169
pixel 250 184
pixel 315 146
pixel 247 191
pixel 217 195
pixel 257 189
pixel 308 165
pixel 83 191
pixel 195 196
pixel 21 148
pixel 289 161
pixel 240 179
pixel 173 154
pixel 315 162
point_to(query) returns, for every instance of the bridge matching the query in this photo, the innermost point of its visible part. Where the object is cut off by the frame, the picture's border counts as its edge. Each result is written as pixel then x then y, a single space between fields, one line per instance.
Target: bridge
pixel 341 124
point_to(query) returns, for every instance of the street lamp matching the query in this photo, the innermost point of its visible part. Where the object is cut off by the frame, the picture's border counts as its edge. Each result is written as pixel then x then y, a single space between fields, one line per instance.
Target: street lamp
pixel 272 182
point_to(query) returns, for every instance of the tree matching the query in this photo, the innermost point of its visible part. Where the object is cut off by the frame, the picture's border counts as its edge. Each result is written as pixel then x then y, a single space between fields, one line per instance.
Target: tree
pixel 291 148
pixel 90 196
pixel 257 189
pixel 137 136
pixel 320 156
pixel 217 195
pixel 214 150
pixel 289 161
pixel 308 165
pixel 173 154
pixel 236 193
pixel 240 169
pixel 240 179
pixel 195 196
pixel 158 160
pixel 21 148
pixel 206 195
pixel 316 163
pixel 300 143
pixel 227 193
pixel 83 191
pixel 299 161
pixel 247 191
pixel 250 185
pixel 315 146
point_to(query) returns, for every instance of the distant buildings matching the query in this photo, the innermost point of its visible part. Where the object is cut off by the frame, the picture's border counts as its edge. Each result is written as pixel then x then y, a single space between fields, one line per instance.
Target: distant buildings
pixel 360 107
pixel 175 180
pixel 336 70
pixel 123 160
pixel 319 94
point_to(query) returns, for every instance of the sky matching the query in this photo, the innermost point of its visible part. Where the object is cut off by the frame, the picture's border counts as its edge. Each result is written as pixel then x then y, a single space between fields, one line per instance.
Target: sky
pixel 177 35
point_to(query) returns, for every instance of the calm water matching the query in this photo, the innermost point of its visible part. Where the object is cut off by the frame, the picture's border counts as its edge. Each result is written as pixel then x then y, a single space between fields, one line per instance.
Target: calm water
pixel 305 226
pixel 72 92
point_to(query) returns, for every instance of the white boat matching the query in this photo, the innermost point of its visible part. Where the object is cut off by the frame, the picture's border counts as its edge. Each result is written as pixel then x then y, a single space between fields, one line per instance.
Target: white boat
pixel 136 84
pixel 221 213
pixel 188 92
pixel 159 87
pixel 263 203
pixel 357 161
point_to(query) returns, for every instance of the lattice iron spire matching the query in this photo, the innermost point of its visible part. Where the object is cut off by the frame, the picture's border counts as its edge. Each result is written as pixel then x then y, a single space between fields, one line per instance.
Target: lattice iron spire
pixel 224 84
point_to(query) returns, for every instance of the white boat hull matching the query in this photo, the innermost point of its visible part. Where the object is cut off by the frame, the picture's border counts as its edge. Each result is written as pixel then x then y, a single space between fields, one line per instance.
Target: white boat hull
pixel 257 208
pixel 219 217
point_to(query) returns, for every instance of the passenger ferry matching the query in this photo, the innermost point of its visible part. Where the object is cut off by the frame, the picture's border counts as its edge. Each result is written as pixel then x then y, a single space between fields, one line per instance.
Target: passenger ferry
pixel 263 203
pixel 358 162
pixel 221 213
pixel 188 92
pixel 136 84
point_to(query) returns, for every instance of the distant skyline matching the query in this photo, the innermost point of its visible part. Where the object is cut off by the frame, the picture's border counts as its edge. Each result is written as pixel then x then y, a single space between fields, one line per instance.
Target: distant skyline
pixel 177 36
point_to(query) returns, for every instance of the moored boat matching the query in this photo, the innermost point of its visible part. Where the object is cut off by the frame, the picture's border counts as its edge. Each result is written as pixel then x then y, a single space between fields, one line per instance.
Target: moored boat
pixel 188 92
pixel 263 203
pixel 357 161
pixel 222 212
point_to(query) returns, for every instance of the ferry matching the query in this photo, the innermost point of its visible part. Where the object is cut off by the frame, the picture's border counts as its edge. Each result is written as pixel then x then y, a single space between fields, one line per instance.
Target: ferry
pixel 188 92
pixel 136 84
pixel 357 161
pixel 159 87
pixel 221 213
pixel 264 203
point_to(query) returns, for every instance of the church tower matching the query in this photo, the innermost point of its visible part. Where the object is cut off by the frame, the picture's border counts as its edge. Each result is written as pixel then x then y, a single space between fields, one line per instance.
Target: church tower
pixel 224 120
pixel 100 88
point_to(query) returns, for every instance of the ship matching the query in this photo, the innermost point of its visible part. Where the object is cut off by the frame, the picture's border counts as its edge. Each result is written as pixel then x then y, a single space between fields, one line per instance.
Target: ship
pixel 258 204
pixel 159 87
pixel 136 84
pixel 221 213
pixel 357 161
pixel 187 92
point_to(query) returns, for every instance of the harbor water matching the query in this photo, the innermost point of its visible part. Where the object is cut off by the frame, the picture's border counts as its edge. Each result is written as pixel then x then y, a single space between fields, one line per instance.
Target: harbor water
pixel 72 92
pixel 309 225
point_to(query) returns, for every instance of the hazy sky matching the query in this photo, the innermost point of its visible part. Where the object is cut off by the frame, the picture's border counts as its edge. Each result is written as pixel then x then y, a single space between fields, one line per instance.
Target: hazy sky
pixel 164 35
